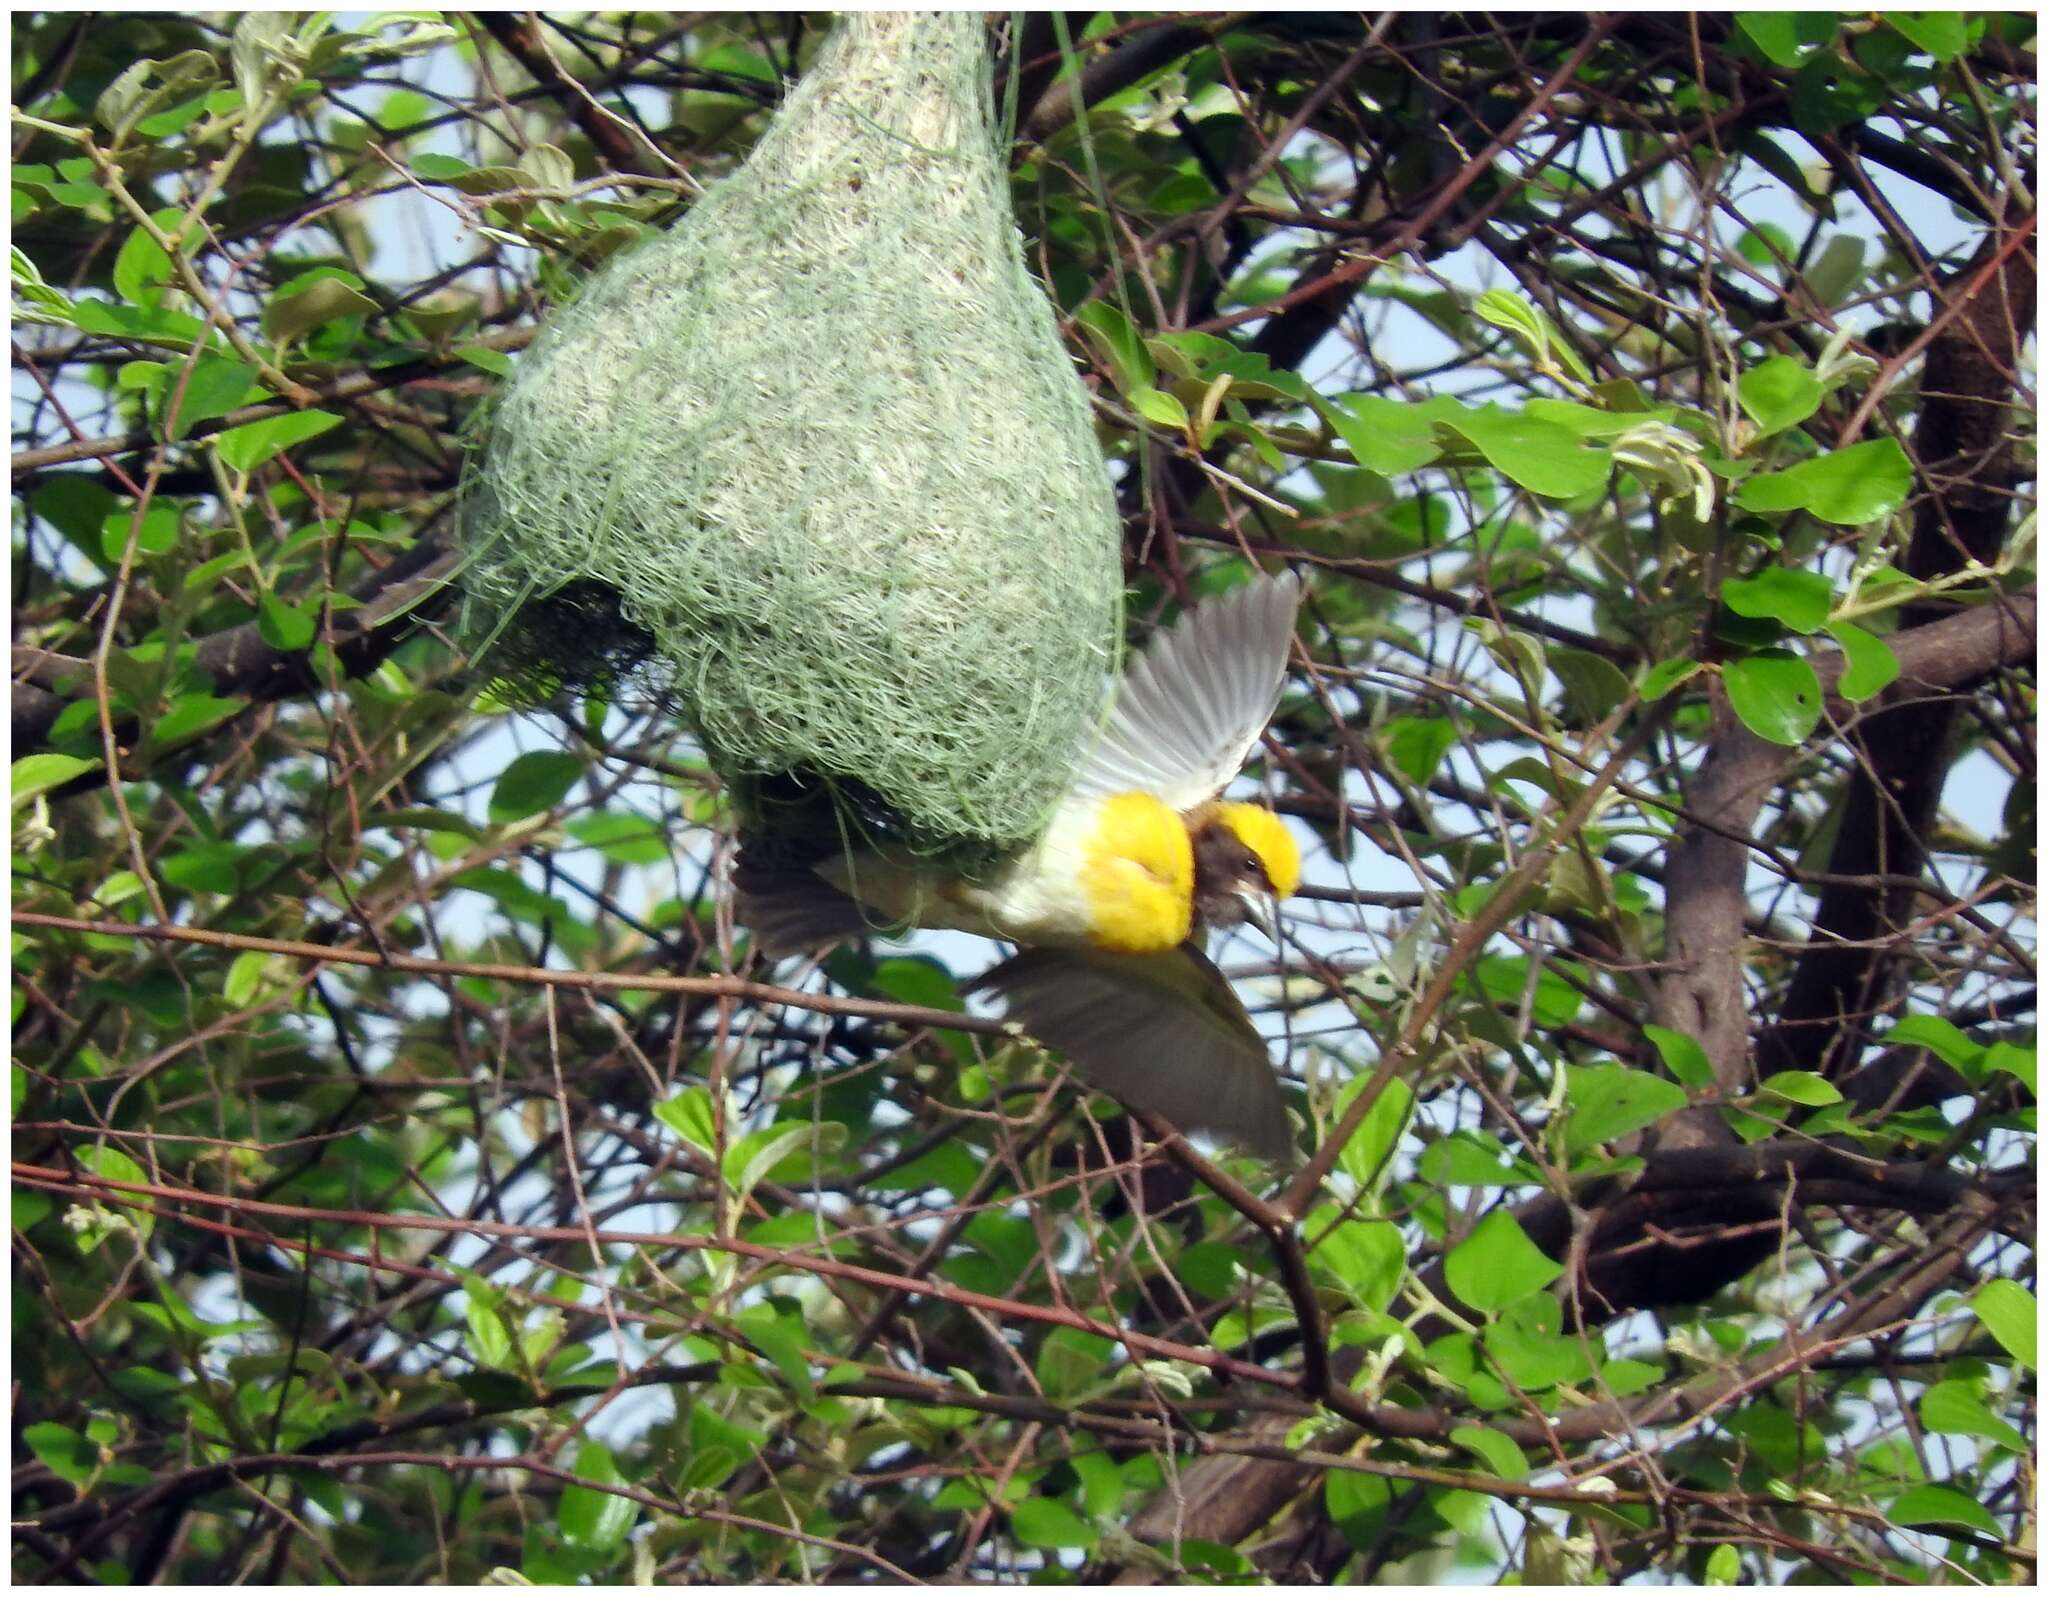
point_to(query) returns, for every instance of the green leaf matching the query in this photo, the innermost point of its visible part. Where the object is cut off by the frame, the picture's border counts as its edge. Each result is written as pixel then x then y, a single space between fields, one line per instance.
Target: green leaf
pixel 627 838
pixel 708 1467
pixel 1072 1362
pixel 246 447
pixel 1799 599
pixel 62 1451
pixel 191 715
pixel 1776 695
pixel 1838 271
pixel 142 269
pixel 1554 1001
pixel 591 1518
pixel 1357 1505
pixel 1159 408
pixel 1532 1352
pixel 736 61
pixel 1368 1157
pixel 1123 351
pixel 39 773
pixel 215 387
pixel 115 1165
pixel 1534 328
pixel 1472 1158
pixel 1786 38
pixel 785 1342
pixel 749 1160
pixel 206 868
pixel 1102 1483
pixel 1629 1377
pixel 1201 358
pixel 1847 487
pixel 1781 392
pixel 1045 1522
pixel 1665 675
pixel 145 87
pixel 1538 455
pixel 490 1338
pixel 1953 1407
pixel 546 167
pixel 1498 1265
pixel 1942 1038
pixel 309 302
pixel 1724 1565
pixel 947 1168
pixel 2006 1309
pixel 1871 666
pixel 912 979
pixel 1367 1256
pixel 494 361
pixel 533 782
pixel 79 507
pixel 157 534
pixel 1942 34
pixel 1593 685
pixel 1610 1101
pixel 1801 1087
pixel 1385 435
pixel 1683 1057
pixel 1502 1456
pixel 2015 1061
pixel 146 325
pixel 285 626
pixel 1942 1505
pixel 244 978
pixel 1416 746
pixel 510 893
pixel 432 167
pixel 688 1115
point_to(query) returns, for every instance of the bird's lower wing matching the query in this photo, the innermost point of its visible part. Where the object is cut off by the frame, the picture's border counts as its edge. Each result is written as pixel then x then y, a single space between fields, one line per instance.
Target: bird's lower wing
pixel 1163 1032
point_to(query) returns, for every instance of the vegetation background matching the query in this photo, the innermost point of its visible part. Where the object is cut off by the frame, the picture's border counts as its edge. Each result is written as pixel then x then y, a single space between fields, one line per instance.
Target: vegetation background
pixel 417 1180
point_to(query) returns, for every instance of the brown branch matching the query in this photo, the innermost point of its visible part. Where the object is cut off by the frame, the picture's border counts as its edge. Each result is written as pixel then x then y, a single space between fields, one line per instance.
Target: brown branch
pixel 1224 1499
pixel 1968 471
pixel 730 987
pixel 518 34
pixel 1138 57
pixel 339 391
pixel 241 664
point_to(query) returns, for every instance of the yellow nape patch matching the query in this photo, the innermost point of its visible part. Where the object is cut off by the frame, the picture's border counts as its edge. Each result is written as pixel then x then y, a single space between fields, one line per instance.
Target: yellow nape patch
pixel 1139 876
pixel 1266 835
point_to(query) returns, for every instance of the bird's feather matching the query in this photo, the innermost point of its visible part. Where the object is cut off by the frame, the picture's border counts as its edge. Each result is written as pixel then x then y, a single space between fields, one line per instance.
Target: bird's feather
pixel 1191 707
pixel 1162 1032
pixel 793 911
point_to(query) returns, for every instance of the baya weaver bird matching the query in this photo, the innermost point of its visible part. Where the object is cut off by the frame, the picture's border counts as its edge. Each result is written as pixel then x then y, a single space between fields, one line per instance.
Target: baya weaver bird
pixel 1111 905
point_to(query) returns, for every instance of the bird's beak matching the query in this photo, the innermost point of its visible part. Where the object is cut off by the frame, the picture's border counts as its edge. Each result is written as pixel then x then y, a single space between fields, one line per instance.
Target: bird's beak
pixel 1262 912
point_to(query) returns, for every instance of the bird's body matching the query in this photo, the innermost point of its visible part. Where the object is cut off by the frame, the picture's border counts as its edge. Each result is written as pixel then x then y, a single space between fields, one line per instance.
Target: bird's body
pixel 1117 873
pixel 1111 902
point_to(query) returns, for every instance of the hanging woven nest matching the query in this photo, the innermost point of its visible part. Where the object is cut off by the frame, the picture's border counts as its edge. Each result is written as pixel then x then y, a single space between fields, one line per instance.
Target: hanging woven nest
pixel 817 461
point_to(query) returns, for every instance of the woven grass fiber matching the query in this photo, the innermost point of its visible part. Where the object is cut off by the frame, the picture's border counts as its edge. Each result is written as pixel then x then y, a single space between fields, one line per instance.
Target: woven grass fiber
pixel 817 458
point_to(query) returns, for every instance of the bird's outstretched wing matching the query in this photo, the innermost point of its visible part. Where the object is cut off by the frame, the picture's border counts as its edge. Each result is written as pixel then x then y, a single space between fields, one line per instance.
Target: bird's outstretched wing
pixel 1163 1032
pixel 1189 709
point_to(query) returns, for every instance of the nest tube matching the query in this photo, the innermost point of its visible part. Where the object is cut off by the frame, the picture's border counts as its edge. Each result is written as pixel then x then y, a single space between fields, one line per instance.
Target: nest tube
pixel 823 443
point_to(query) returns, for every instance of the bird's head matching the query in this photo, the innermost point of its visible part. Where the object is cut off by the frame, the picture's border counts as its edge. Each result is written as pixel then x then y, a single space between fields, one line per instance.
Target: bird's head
pixel 1244 855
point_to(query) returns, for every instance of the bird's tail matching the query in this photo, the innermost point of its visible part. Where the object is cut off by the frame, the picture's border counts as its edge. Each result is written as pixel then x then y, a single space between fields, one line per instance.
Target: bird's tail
pixel 793 911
